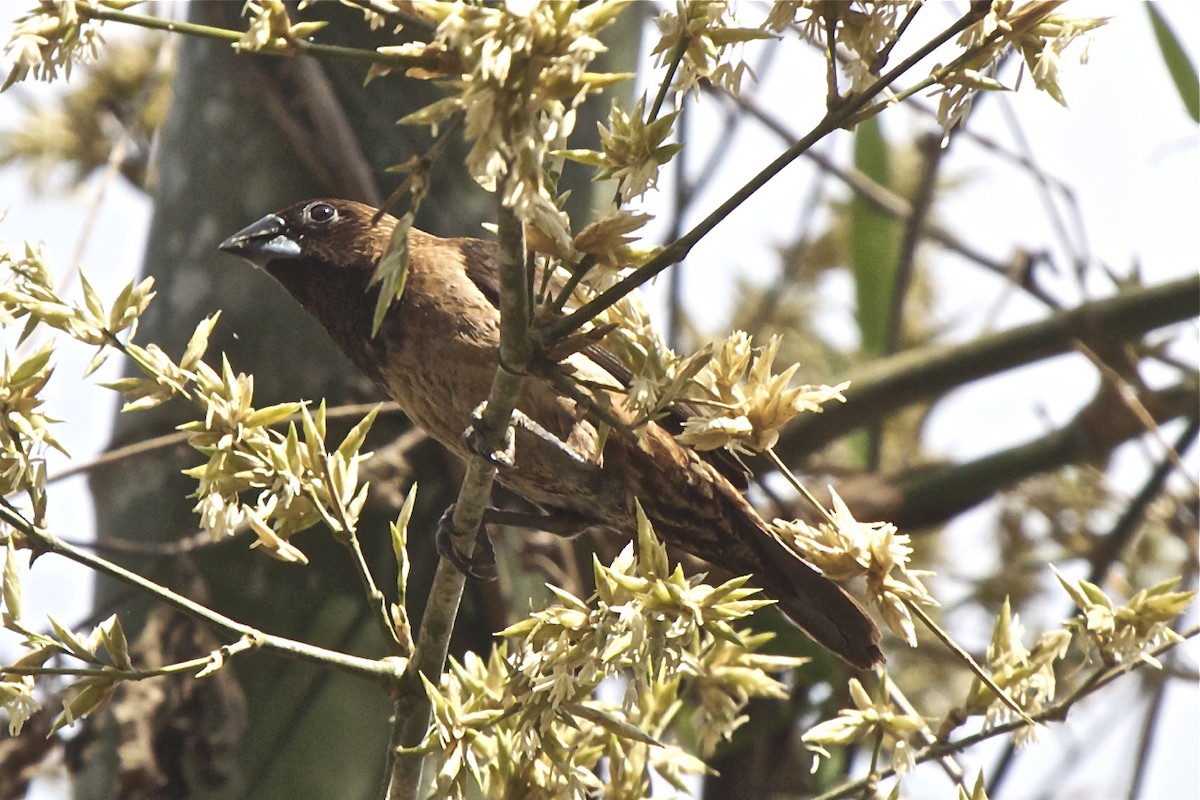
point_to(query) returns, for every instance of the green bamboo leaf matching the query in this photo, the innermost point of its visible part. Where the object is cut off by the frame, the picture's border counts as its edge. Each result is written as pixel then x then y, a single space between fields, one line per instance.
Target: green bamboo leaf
pixel 399 530
pixel 652 555
pixel 589 158
pixel 614 725
pixel 874 241
pixel 96 362
pixel 91 694
pixel 71 642
pixel 32 367
pixel 91 299
pixel 1183 71
pixel 392 271
pixel 265 417
pixel 198 343
pixel 113 637
pixel 358 435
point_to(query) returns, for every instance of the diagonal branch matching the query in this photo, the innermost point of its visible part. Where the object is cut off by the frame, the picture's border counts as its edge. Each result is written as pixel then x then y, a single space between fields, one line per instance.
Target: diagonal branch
pixel 838 116
pixel 882 199
pixel 413 709
pixel 361 55
pixel 925 374
pixel 43 541
pixel 1055 713
pixel 930 495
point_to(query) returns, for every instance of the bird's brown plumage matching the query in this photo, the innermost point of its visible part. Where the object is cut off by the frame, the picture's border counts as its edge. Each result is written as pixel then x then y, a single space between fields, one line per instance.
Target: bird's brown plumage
pixel 436 354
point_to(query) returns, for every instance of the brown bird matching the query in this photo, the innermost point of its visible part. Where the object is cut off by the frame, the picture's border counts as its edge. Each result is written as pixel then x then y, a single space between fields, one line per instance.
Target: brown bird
pixel 436 353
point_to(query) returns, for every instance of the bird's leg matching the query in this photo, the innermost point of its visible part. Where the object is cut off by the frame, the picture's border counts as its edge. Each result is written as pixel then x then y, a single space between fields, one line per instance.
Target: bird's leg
pixel 566 524
pixel 506 456
pixel 482 566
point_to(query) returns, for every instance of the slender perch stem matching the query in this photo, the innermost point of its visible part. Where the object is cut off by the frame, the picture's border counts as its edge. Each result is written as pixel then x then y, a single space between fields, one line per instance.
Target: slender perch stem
pixel 412 708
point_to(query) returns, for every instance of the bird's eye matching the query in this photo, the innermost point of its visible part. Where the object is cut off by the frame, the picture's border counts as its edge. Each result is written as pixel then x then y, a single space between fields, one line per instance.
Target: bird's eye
pixel 320 213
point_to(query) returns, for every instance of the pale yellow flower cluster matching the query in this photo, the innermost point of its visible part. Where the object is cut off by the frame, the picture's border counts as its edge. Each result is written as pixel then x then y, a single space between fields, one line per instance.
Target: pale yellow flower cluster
pixel 1026 675
pixel 1123 634
pixel 863 28
pixel 710 37
pixel 1034 29
pixel 54 36
pixel 296 482
pixel 517 71
pixel 742 405
pixel 738 402
pixel 871 718
pixel 18 700
pixel 633 151
pixel 271 28
pixel 26 431
pixel 846 549
pixel 29 295
pixel 529 720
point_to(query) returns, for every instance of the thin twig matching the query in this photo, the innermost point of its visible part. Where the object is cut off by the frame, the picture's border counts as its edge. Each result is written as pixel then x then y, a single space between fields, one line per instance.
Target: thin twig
pixel 835 118
pixel 1073 237
pixel 232 36
pixel 680 199
pixel 885 52
pixel 1145 749
pixel 244 644
pixel 799 486
pixel 43 541
pixel 1110 546
pixel 347 534
pixel 951 767
pixel 672 67
pixel 1054 713
pixel 1128 396
pixel 829 16
pixel 152 445
pixel 883 199
pixel 977 670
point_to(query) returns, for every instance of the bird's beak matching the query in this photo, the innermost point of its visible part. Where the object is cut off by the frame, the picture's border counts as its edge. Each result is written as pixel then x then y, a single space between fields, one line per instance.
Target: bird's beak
pixel 262 242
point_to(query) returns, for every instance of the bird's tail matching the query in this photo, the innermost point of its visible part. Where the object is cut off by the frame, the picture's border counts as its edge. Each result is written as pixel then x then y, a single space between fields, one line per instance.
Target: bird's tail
pixel 821 608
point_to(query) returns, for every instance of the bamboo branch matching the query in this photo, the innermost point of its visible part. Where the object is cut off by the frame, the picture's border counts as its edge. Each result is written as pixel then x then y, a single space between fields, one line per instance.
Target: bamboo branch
pixel 924 374
pixel 413 709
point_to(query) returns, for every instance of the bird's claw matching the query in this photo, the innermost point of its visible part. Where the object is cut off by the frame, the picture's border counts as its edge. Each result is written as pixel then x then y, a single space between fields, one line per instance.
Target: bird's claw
pixel 503 457
pixel 482 565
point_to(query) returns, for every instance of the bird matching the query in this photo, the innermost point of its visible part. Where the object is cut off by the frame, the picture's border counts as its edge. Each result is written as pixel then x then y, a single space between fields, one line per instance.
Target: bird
pixel 436 352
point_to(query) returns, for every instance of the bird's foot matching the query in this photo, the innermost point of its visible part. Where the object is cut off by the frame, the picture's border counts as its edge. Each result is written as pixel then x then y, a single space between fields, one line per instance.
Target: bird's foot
pixel 501 458
pixel 481 565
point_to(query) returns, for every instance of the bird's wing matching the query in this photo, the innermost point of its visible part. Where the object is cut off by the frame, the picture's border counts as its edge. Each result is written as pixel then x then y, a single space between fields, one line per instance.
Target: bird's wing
pixel 482 260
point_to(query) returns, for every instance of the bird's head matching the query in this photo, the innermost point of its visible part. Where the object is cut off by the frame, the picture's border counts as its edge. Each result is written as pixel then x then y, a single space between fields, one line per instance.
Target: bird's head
pixel 336 234
pixel 324 252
